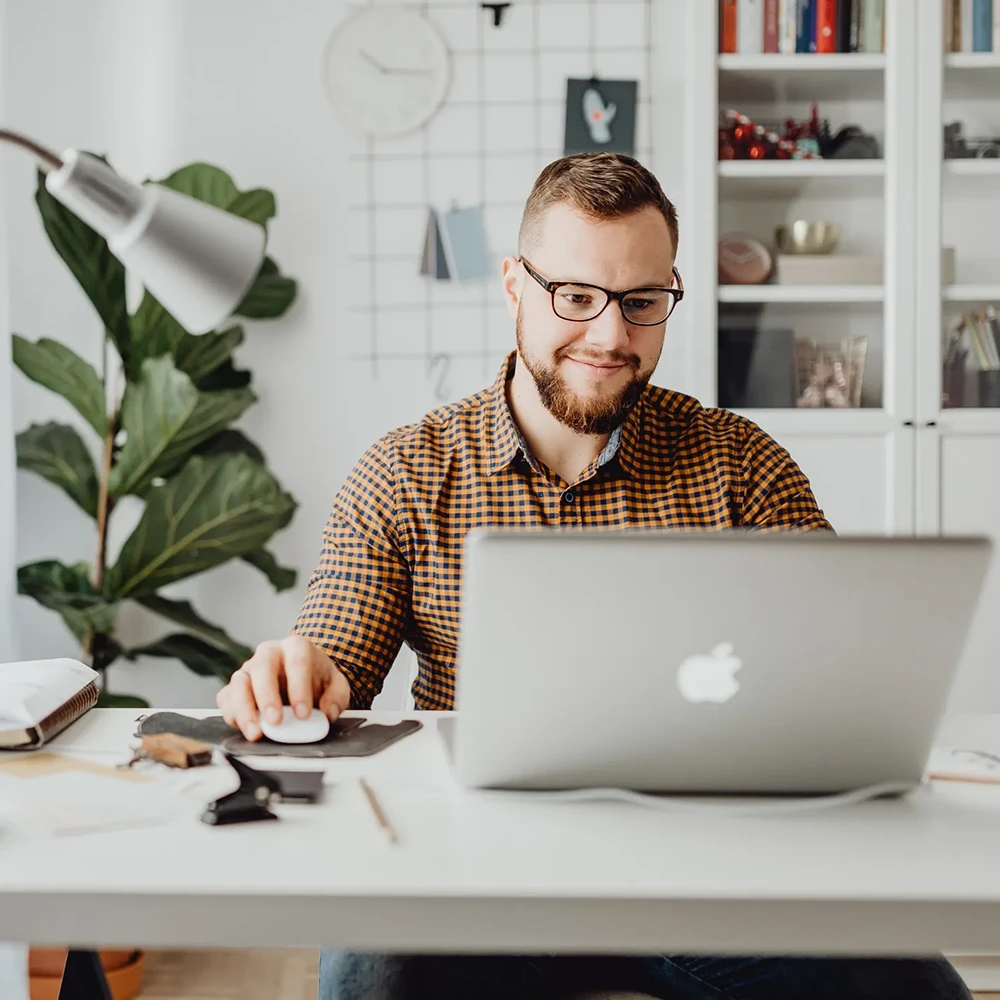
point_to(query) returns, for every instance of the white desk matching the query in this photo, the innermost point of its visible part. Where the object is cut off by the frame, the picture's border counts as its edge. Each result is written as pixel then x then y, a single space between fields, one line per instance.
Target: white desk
pixel 481 872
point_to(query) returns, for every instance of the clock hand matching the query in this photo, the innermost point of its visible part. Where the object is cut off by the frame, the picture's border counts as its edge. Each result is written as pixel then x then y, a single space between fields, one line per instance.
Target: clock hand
pixel 373 61
pixel 405 71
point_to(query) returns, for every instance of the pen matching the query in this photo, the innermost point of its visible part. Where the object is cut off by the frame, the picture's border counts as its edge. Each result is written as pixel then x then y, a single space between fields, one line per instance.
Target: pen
pixel 376 809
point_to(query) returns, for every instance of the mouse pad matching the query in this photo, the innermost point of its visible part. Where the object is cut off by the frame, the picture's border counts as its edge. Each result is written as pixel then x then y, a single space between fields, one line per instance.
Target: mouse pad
pixel 347 737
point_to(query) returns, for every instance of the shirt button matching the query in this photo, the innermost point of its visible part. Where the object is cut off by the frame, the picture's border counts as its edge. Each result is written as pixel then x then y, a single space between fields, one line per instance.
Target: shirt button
pixel 569 496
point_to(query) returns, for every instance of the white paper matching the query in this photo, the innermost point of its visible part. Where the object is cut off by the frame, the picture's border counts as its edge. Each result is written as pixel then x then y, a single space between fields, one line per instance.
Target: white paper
pixel 74 802
pixel 32 689
pixel 13 971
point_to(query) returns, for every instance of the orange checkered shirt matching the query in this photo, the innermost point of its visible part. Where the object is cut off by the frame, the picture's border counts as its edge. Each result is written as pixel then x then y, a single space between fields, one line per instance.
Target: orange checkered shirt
pixel 390 570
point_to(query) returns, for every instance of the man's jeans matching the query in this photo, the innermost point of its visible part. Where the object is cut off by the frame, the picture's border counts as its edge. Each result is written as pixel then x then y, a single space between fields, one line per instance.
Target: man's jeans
pixel 348 976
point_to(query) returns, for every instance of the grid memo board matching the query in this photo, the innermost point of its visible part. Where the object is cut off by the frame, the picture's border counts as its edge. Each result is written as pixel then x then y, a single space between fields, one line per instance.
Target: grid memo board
pixel 502 121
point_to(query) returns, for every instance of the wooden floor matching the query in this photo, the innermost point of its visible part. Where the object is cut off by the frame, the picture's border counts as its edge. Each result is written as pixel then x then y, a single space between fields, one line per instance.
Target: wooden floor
pixel 245 975
pixel 221 975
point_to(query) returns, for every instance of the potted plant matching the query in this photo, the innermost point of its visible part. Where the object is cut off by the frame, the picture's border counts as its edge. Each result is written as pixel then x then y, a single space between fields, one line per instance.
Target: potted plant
pixel 161 416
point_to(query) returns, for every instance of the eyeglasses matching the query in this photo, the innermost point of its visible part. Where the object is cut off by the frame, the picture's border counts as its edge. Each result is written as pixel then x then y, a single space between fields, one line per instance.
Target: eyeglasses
pixel 580 302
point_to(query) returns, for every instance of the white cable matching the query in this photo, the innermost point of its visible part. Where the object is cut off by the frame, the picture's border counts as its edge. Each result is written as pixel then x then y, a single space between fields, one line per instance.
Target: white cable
pixel 675 804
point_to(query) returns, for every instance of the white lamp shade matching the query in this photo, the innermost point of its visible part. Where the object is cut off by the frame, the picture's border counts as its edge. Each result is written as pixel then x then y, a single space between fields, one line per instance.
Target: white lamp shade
pixel 197 260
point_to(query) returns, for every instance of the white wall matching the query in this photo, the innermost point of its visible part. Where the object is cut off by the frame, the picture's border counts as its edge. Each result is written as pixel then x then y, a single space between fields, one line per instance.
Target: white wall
pixel 235 82
pixel 7 512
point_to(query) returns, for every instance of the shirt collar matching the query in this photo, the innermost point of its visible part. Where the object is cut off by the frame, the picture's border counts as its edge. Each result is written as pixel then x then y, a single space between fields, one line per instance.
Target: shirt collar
pixel 505 440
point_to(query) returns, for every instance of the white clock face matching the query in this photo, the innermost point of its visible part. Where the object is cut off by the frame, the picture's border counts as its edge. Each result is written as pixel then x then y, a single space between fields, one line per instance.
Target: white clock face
pixel 386 69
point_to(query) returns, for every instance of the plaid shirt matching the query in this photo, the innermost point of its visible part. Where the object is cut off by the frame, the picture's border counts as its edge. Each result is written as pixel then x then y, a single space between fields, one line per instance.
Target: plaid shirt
pixel 390 570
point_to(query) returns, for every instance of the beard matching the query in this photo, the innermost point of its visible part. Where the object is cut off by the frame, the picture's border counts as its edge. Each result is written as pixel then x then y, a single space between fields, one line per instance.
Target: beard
pixel 599 414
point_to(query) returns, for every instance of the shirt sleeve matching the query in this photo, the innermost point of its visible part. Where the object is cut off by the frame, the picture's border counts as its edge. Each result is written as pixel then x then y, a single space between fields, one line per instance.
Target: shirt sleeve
pixel 357 603
pixel 777 493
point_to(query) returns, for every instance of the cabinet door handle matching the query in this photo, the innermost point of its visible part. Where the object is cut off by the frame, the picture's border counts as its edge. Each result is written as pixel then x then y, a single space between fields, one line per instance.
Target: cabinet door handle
pixel 931 423
pixel 907 423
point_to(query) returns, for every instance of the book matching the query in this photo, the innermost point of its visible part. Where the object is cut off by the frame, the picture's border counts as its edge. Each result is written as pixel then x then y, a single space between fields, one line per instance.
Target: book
pixel 750 27
pixel 728 26
pixel 771 26
pixel 844 15
pixel 982 26
pixel 826 25
pixel 40 698
pixel 787 20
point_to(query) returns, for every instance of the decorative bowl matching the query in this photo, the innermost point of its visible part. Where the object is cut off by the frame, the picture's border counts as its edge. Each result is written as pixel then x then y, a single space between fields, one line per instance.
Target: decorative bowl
pixel 803 236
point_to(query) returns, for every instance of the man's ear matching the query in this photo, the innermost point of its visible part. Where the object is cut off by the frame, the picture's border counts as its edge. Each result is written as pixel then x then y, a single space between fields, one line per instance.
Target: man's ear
pixel 513 278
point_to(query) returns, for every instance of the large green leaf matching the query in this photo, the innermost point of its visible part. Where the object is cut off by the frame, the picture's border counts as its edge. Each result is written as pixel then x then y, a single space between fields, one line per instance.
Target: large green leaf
pixel 213 510
pixel 154 331
pixel 106 700
pixel 68 590
pixel 182 613
pixel 213 185
pixel 196 654
pixel 56 367
pixel 270 295
pixel 165 417
pixel 99 273
pixel 231 442
pixel 281 577
pixel 226 376
pixel 57 453
pixel 201 355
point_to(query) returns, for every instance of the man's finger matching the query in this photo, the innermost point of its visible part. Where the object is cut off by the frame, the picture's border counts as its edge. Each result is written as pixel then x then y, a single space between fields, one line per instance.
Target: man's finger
pixel 336 697
pixel 264 670
pixel 299 676
pixel 241 709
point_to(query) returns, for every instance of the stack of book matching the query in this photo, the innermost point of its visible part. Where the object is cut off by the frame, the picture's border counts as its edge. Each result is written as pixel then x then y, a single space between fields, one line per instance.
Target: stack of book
pixel 971 375
pixel 752 27
pixel 971 25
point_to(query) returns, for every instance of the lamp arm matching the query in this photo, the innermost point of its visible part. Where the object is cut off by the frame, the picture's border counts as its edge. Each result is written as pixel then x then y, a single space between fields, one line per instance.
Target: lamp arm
pixel 50 160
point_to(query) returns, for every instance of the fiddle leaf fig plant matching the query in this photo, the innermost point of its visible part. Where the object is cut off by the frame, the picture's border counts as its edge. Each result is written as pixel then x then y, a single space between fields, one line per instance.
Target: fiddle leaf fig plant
pixel 160 422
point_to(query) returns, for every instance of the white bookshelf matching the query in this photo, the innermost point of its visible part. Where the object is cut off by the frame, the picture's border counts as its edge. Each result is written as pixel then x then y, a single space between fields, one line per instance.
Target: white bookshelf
pixel 908 465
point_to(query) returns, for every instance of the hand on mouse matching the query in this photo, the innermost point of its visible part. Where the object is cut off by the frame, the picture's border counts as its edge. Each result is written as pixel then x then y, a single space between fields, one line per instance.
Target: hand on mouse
pixel 292 665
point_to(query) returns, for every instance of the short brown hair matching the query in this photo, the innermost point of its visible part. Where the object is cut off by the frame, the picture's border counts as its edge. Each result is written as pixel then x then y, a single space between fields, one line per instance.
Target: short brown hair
pixel 601 185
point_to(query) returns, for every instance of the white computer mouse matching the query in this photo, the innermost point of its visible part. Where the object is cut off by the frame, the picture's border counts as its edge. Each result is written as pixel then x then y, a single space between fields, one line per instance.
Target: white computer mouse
pixel 292 729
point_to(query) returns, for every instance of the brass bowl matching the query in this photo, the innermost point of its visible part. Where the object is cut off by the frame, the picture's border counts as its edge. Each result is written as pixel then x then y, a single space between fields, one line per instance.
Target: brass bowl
pixel 803 236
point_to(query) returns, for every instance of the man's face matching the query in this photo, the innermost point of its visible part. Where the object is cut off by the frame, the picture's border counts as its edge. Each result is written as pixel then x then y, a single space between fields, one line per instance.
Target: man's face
pixel 589 374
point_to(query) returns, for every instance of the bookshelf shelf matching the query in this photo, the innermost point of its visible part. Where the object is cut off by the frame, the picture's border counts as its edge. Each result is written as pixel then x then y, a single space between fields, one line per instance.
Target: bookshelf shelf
pixel 782 178
pixel 801 62
pixel 794 294
pixel 972 60
pixel 971 293
pixel 869 421
pixel 973 168
pixel 800 77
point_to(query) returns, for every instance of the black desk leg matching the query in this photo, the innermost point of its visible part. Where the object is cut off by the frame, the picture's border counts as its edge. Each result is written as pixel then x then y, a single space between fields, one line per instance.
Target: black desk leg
pixel 83 977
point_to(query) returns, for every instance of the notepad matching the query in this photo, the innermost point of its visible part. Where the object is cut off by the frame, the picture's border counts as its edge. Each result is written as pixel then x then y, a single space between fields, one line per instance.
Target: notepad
pixel 40 698
pixel 955 764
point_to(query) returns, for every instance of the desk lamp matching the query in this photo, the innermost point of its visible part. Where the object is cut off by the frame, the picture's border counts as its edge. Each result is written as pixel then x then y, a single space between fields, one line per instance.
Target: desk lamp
pixel 197 260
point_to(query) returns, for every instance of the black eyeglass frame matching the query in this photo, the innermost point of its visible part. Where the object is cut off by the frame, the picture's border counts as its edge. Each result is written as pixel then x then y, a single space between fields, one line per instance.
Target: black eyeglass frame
pixel 552 286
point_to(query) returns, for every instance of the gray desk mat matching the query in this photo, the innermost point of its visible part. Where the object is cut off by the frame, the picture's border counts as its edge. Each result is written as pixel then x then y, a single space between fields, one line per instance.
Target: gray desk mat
pixel 347 737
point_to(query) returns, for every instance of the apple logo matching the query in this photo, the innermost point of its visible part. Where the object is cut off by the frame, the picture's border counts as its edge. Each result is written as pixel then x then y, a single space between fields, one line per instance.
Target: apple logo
pixel 710 676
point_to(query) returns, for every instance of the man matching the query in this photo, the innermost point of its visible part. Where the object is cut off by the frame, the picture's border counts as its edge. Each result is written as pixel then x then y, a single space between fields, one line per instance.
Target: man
pixel 569 434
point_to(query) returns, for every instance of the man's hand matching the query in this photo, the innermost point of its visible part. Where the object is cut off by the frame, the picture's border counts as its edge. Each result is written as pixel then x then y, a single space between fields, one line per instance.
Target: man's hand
pixel 292 667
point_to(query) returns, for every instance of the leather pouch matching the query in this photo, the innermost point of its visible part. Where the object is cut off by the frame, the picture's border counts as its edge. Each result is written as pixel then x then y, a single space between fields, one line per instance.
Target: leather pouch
pixel 347 737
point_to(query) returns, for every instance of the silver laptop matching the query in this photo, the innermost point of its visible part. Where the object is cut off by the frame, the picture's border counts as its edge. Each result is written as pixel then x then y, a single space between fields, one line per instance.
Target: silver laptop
pixel 729 662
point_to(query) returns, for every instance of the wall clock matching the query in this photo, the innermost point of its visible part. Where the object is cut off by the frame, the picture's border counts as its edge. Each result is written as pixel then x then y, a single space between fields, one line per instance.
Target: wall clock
pixel 386 69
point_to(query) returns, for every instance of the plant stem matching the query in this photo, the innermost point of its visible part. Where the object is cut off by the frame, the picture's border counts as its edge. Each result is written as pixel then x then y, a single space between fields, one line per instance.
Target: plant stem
pixel 104 503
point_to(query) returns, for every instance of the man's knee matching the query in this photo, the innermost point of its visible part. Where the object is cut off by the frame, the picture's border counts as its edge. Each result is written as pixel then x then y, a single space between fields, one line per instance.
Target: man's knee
pixel 346 975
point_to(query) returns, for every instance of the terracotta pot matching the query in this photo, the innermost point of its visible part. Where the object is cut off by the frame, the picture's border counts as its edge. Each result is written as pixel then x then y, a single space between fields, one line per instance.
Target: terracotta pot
pixel 123 969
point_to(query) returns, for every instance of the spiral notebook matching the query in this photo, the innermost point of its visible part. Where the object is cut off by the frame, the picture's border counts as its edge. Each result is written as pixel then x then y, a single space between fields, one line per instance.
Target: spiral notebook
pixel 40 698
